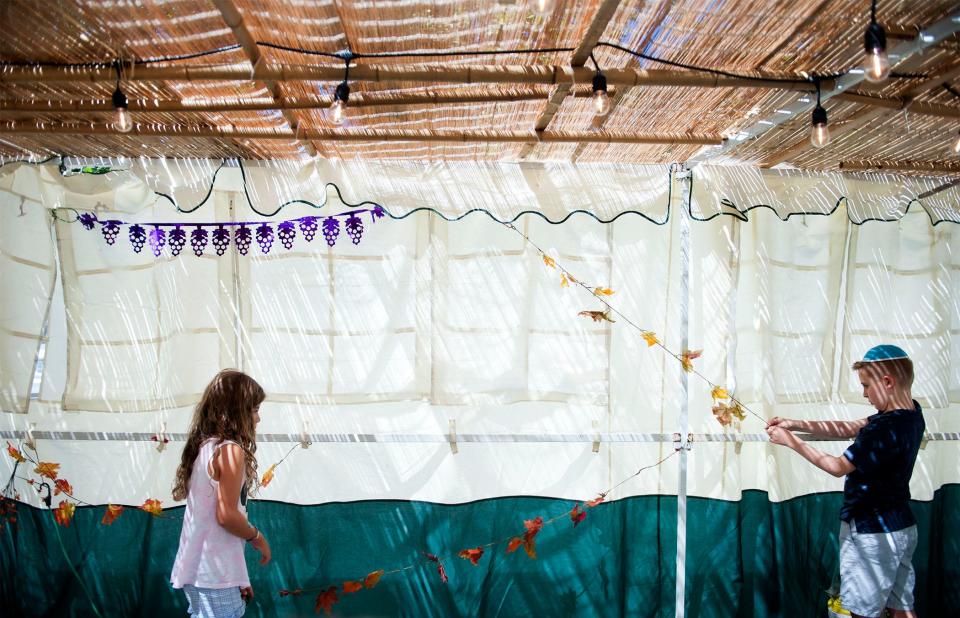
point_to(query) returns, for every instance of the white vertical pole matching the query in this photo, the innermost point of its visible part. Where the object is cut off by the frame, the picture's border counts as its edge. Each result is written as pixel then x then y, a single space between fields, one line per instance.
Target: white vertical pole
pixel 684 424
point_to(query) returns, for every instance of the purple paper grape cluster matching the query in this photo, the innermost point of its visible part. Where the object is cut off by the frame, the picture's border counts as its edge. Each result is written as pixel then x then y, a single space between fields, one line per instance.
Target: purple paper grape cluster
pixel 331 229
pixel 354 228
pixel 308 225
pixel 137 237
pixel 198 240
pixel 287 232
pixel 265 237
pixel 176 241
pixel 110 230
pixel 221 239
pixel 157 238
pixel 242 237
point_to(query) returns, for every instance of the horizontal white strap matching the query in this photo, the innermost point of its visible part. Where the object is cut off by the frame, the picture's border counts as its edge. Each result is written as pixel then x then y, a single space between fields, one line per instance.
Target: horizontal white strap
pixel 420 438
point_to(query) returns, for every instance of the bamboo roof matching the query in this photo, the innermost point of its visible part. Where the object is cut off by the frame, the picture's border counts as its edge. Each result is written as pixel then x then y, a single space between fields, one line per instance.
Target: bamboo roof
pixel 253 99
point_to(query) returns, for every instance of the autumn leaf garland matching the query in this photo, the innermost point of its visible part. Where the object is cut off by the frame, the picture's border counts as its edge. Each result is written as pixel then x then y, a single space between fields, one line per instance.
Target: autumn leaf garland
pixel 724 412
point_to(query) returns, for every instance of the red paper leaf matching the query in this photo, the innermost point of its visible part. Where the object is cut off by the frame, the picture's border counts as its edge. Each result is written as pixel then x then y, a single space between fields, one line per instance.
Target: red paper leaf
pixel 440 569
pixel 596 501
pixel 112 513
pixel 372 579
pixel 576 515
pixel 153 507
pixel 351 587
pixel 62 486
pixel 325 600
pixel 473 555
pixel 515 542
pixel 64 513
pixel 296 592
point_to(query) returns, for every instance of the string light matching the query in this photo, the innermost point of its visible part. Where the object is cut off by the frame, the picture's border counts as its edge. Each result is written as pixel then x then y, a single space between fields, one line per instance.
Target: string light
pixel 123 121
pixel 876 64
pixel 956 144
pixel 819 133
pixel 338 113
pixel 601 101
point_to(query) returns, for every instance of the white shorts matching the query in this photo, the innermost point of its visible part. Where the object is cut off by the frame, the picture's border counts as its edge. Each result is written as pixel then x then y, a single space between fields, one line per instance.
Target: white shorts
pixel 876 570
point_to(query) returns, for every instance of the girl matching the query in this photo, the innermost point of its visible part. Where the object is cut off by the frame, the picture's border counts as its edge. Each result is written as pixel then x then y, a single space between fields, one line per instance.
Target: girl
pixel 216 471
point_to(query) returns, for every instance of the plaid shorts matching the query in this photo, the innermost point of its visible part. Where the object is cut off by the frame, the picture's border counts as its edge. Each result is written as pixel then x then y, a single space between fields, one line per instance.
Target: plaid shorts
pixel 214 602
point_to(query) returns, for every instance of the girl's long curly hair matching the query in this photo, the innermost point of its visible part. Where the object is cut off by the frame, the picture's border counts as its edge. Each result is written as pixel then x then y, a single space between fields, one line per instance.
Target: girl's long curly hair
pixel 225 412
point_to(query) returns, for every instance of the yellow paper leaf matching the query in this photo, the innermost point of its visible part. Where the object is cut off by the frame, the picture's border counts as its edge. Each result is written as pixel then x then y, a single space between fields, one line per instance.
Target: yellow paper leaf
pixel 564 282
pixel 737 410
pixel 650 338
pixel 549 261
pixel 64 513
pixel 686 358
pixel 268 476
pixel 602 292
pixel 719 392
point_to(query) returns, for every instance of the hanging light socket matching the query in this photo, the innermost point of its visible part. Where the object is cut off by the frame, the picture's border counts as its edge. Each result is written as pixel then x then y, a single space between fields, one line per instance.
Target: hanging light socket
pixel 601 101
pixel 876 64
pixel 120 105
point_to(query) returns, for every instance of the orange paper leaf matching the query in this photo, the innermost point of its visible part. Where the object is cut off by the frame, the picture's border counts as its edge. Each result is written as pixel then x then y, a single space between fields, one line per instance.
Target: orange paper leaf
pixel 533 526
pixel 112 513
pixel 650 338
pixel 602 292
pixel 15 453
pixel 597 316
pixel 47 469
pixel 61 486
pixel 325 600
pixel 473 555
pixel 549 261
pixel 514 543
pixel 64 513
pixel 268 476
pixel 372 579
pixel 351 587
pixel 153 507
pixel 576 515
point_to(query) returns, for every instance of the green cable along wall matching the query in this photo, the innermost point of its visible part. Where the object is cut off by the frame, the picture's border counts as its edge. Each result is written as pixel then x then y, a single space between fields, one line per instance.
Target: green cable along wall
pixel 745 558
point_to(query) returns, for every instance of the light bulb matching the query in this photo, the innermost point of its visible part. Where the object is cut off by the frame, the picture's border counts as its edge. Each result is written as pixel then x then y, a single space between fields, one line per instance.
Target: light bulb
pixel 543 6
pixel 819 133
pixel 338 111
pixel 601 101
pixel 956 145
pixel 876 64
pixel 337 114
pixel 123 122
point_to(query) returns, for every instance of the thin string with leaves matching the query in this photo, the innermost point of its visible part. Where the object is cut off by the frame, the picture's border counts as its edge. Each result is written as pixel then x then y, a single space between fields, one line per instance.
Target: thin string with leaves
pixel 724 412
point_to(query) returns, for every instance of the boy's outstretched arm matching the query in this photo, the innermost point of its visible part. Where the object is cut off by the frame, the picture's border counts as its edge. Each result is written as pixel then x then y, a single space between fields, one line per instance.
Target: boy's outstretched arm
pixel 828 429
pixel 837 466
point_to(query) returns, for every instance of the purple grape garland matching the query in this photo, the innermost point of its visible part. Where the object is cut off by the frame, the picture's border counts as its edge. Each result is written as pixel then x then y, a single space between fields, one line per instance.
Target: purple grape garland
pixel 241 233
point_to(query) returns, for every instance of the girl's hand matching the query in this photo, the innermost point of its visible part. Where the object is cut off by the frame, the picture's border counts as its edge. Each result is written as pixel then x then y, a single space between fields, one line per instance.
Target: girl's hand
pixel 262 546
pixel 784 423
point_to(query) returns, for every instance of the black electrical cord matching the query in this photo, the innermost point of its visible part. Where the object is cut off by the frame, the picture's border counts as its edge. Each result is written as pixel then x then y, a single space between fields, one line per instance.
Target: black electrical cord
pixel 109 63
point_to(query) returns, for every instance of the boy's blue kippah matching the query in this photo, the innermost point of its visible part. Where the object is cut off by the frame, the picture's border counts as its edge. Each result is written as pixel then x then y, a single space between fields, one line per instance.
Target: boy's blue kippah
pixel 884 352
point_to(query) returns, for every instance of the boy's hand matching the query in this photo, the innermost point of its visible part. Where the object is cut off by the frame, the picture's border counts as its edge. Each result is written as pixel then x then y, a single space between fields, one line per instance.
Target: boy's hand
pixel 785 423
pixel 779 435
pixel 262 546
pixel 246 594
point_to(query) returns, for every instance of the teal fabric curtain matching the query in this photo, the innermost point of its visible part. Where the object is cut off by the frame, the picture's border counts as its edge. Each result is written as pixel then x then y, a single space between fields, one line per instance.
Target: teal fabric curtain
pixel 745 558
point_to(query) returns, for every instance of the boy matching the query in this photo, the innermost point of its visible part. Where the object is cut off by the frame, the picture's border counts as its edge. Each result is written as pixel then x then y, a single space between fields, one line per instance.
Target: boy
pixel 878 533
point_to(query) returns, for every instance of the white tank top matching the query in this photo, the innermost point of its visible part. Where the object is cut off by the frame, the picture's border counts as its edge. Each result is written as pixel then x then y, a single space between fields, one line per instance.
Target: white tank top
pixel 209 556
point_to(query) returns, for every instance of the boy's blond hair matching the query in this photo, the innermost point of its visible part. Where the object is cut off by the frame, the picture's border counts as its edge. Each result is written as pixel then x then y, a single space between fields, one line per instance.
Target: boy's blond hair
pixel 900 369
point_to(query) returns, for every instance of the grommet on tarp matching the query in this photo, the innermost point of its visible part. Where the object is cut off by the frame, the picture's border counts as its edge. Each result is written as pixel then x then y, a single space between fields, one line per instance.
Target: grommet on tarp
pixel 452 436
pixel 596 436
pixel 304 436
pixel 161 438
pixel 677 444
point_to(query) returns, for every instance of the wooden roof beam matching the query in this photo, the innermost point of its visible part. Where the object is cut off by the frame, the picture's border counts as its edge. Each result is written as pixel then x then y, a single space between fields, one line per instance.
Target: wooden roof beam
pixel 234 20
pixel 581 54
pixel 865 116
pixel 181 131
pixel 899 166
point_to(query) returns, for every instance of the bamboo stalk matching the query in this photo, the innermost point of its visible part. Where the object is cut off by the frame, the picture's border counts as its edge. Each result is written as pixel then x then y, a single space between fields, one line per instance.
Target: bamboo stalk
pixel 356 100
pixel 899 166
pixel 361 135
pixel 502 74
